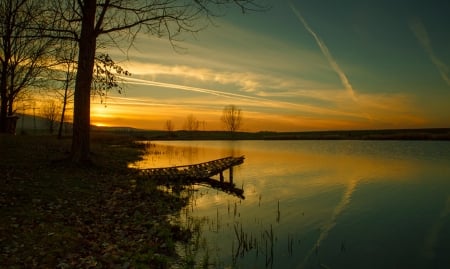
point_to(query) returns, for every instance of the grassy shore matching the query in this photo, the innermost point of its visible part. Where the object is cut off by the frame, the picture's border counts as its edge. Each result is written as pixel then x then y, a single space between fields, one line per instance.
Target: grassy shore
pixel 56 215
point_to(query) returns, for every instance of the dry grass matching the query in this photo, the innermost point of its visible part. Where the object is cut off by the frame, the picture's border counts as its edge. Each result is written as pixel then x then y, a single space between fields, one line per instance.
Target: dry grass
pixel 54 214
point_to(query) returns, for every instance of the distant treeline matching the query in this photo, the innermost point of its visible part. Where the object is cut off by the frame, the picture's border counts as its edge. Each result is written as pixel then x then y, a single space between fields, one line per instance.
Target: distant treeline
pixel 389 134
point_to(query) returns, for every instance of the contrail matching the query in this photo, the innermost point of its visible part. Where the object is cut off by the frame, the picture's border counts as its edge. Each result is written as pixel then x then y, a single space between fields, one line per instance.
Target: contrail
pixel 250 99
pixel 325 230
pixel 421 34
pixel 326 52
pixel 432 238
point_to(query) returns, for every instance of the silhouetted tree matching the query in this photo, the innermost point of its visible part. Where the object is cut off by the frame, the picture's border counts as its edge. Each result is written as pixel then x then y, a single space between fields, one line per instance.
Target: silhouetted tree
pixel 50 111
pixel 121 20
pixel 65 56
pixel 169 126
pixel 23 52
pixel 191 124
pixel 232 118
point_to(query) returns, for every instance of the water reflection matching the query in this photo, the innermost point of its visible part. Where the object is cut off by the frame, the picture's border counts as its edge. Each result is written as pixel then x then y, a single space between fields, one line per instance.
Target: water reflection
pixel 176 153
pixel 435 232
pixel 323 204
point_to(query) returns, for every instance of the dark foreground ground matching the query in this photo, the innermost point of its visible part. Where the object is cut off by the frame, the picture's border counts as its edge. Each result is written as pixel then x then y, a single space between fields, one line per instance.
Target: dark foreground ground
pixel 56 215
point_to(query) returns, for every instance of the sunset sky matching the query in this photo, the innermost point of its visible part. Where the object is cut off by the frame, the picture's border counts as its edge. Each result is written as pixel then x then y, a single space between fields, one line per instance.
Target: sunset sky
pixel 302 65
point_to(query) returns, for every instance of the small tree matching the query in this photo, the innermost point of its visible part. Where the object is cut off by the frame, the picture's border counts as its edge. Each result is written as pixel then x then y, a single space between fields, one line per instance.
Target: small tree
pixel 232 118
pixel 191 124
pixel 169 126
pixel 66 58
pixel 51 111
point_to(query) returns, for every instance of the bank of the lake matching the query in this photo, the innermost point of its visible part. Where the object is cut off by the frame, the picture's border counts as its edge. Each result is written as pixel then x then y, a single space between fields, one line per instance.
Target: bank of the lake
pixel 442 134
pixel 56 215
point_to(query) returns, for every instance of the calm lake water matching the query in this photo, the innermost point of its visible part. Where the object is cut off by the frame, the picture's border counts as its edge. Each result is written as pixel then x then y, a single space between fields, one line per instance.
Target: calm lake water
pixel 320 204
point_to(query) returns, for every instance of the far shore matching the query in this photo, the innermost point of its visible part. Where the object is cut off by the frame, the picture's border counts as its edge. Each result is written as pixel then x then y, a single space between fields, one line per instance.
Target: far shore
pixel 387 134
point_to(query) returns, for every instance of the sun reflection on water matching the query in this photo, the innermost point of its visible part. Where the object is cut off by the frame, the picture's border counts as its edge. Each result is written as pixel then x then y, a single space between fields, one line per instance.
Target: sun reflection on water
pixel 311 193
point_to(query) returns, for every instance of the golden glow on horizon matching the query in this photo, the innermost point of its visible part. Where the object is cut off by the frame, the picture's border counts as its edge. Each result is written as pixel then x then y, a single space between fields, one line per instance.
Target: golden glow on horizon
pixel 377 111
pixel 100 124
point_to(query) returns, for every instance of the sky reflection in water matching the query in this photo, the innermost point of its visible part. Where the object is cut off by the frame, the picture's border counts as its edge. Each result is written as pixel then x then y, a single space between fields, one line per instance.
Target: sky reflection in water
pixel 342 204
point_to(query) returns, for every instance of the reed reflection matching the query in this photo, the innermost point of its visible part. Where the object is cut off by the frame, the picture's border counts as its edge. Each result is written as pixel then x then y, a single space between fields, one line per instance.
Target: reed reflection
pixel 313 201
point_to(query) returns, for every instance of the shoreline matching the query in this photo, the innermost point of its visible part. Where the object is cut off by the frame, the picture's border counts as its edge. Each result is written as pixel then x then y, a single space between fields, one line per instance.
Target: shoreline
pixel 427 134
pixel 56 215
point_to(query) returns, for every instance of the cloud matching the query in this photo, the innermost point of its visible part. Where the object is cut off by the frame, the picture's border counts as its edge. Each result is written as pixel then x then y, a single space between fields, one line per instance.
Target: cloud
pixel 192 89
pixel 266 85
pixel 326 52
pixel 421 34
pixel 253 101
pixel 246 81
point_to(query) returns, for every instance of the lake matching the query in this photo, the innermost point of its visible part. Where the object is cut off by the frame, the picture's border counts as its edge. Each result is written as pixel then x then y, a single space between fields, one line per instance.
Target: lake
pixel 319 204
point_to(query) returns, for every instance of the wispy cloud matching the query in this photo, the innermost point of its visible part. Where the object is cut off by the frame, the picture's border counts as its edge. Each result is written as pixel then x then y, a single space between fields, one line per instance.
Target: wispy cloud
pixel 246 81
pixel 421 34
pixel 192 89
pixel 250 100
pixel 326 52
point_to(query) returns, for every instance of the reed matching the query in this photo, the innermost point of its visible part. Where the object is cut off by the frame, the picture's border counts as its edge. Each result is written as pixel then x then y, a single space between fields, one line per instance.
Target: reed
pixel 269 260
pixel 278 212
pixel 246 242
pixel 205 261
pixel 217 221
pixel 290 243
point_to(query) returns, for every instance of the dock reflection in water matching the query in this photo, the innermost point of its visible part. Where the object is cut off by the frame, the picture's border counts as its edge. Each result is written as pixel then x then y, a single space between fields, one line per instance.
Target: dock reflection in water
pixel 324 204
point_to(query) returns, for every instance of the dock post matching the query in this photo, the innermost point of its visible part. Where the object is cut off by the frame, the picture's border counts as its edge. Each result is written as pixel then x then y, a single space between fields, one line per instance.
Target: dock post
pixel 231 174
pixel 221 176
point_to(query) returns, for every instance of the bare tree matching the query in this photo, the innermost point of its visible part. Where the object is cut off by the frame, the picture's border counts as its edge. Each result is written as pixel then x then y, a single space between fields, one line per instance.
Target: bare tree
pixel 169 126
pixel 232 118
pixel 51 111
pixel 191 124
pixel 121 20
pixel 203 123
pixel 65 72
pixel 23 52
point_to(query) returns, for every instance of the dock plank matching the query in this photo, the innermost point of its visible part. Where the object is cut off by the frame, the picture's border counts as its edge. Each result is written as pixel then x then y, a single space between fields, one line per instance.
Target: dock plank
pixel 194 171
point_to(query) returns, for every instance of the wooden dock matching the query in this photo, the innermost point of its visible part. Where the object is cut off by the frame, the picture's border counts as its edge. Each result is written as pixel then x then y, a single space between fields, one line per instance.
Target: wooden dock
pixel 196 172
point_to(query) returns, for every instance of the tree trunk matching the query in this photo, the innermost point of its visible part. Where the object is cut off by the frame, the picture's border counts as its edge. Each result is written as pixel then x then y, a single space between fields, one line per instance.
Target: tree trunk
pixel 3 106
pixel 66 97
pixel 4 95
pixel 10 105
pixel 82 106
pixel 63 113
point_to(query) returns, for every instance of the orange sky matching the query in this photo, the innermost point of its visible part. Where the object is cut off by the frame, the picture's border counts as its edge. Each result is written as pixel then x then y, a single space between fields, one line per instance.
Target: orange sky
pixel 320 72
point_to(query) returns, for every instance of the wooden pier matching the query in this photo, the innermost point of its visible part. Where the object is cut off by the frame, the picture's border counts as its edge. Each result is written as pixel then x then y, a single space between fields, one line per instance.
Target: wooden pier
pixel 195 172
